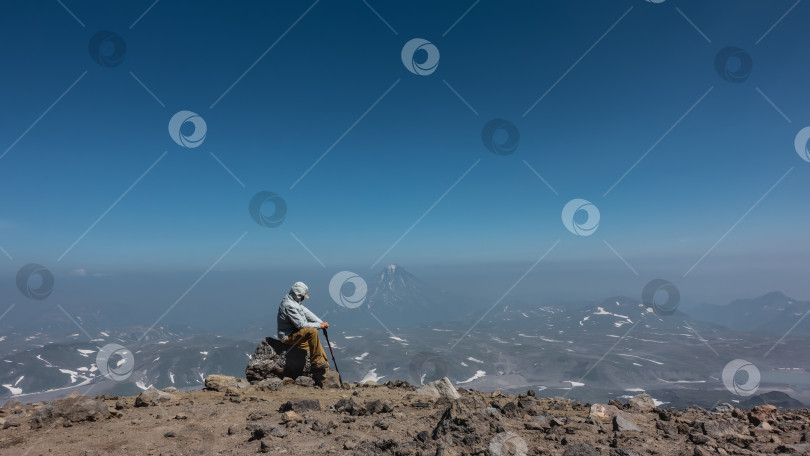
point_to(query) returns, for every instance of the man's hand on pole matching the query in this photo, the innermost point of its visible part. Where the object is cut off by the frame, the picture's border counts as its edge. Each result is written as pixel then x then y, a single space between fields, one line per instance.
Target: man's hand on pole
pixel 324 325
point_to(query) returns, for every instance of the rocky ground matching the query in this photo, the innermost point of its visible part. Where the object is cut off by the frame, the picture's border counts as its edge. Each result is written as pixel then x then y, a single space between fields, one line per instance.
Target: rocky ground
pixel 234 417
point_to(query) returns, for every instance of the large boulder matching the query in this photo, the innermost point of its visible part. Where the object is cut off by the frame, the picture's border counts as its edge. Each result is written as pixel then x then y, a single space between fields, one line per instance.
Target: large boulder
pixel 642 402
pixel 439 388
pixel 219 382
pixel 152 396
pixel 272 358
pixel 74 408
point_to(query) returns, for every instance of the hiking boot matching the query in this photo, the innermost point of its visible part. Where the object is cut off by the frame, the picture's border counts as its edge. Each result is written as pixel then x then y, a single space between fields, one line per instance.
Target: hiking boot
pixel 320 367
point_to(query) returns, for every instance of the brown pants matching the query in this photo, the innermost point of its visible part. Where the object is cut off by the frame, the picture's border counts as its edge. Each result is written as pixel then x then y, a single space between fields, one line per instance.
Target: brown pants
pixel 308 339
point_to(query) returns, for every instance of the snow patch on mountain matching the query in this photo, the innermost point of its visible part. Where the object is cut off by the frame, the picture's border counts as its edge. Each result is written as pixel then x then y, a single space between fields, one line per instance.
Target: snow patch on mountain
pixel 372 375
pixel 478 374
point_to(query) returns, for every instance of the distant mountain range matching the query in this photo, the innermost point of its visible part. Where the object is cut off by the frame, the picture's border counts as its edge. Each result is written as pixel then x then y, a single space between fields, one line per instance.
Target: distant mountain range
pixel 773 313
pixel 408 329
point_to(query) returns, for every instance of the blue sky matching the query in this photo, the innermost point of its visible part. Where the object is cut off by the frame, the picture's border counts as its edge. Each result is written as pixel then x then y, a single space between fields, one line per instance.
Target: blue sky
pixel 616 76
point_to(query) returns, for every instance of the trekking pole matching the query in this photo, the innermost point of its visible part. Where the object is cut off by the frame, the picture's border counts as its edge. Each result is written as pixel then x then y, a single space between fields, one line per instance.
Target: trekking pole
pixel 325 334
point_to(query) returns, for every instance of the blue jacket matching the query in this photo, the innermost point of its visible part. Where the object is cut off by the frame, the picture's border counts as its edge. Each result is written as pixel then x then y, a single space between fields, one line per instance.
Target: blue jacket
pixel 292 315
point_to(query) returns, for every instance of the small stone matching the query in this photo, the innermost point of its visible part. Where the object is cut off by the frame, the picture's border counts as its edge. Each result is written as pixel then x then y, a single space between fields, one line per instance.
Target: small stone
pixel 624 452
pixel 13 421
pixel 291 416
pixel 305 381
pixel 581 449
pixel 301 405
pixel 169 434
pixel 170 389
pixel 382 424
pixel 349 445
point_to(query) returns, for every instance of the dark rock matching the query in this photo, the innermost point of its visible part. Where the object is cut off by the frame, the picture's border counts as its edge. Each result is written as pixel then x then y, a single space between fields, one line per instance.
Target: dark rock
pixel 699 439
pixel 382 424
pixel 73 408
pixel 531 393
pixel 13 421
pixel 463 418
pixel 423 436
pixel 581 449
pixel 152 396
pixel 665 415
pixel 510 409
pixel 668 427
pixel 301 405
pixel 272 358
pixel 350 406
pixel 264 448
pixel 378 406
pixel 616 403
pixel 624 452
pixel 169 434
pixel 305 381
pixel 262 430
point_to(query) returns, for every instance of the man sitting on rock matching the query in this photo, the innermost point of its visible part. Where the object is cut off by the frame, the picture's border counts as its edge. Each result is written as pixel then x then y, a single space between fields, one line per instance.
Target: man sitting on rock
pixel 298 326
